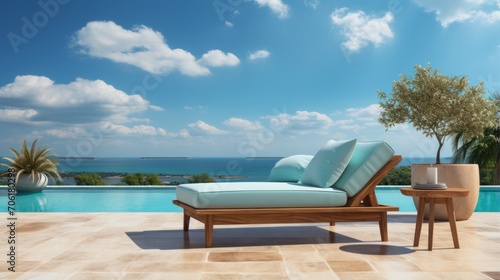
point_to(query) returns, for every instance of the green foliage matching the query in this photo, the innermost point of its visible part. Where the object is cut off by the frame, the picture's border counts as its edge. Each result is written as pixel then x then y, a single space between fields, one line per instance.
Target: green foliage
pixel 486 176
pixel 152 179
pixel 398 176
pixel 133 179
pixel 139 179
pixel 91 179
pixel 483 150
pixel 438 105
pixel 32 160
pixel 201 178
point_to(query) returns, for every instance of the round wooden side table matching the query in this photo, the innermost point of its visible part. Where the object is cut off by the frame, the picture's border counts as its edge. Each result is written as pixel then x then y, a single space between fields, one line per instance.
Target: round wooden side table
pixel 433 197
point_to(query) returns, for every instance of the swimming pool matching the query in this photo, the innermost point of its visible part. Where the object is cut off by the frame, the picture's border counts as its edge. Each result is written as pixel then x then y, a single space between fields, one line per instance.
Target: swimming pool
pixel 159 199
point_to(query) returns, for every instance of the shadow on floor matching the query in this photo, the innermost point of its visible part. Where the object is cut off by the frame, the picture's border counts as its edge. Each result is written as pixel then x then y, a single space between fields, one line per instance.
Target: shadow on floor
pixel 376 249
pixel 402 218
pixel 237 237
pixel 409 219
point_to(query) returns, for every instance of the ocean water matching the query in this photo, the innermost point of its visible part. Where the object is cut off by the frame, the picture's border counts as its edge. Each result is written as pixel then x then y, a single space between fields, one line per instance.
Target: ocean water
pixel 237 169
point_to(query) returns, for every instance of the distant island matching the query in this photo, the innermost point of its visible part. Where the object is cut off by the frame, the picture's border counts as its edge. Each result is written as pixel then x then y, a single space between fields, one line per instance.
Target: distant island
pixel 75 158
pixel 164 158
pixel 252 158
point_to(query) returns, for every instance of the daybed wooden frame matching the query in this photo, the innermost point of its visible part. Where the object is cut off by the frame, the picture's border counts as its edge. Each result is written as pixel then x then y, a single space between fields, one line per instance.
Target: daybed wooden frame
pixel 363 207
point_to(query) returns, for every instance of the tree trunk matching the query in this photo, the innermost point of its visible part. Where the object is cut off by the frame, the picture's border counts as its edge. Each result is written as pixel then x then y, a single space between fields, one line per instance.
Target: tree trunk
pixel 438 155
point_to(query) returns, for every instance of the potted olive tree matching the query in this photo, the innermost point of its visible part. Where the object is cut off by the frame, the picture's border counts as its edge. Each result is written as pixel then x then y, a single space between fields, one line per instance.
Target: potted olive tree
pixel 440 106
pixel 32 166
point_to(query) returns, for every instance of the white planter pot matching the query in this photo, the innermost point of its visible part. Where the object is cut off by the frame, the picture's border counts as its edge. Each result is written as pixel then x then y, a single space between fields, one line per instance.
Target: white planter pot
pixel 29 184
pixel 465 176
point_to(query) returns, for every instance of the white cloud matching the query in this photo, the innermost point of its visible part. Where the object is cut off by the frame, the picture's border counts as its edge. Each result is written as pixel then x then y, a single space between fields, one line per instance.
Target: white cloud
pixel 217 58
pixel 276 6
pixel 312 3
pixel 302 122
pixel 183 133
pixel 448 12
pixel 71 132
pixel 260 54
pixel 41 101
pixel 135 130
pixel 370 112
pixel 354 127
pixel 106 128
pixel 361 29
pixel 141 47
pixel 360 118
pixel 17 115
pixel 228 23
pixel 342 122
pixel 202 128
pixel 156 108
pixel 242 124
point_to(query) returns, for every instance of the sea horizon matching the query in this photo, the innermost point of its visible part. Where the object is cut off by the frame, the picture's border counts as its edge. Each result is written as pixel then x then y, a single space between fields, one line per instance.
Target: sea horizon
pixel 179 169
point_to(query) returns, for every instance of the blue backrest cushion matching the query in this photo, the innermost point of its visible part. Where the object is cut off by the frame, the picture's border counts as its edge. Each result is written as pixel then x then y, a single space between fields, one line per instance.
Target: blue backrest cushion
pixel 289 169
pixel 328 163
pixel 368 158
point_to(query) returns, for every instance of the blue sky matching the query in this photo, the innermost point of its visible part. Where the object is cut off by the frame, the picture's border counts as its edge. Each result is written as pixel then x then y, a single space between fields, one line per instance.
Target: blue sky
pixel 227 77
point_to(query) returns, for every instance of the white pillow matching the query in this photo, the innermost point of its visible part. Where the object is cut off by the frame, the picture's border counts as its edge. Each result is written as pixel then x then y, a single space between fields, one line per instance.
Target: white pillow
pixel 328 164
pixel 289 169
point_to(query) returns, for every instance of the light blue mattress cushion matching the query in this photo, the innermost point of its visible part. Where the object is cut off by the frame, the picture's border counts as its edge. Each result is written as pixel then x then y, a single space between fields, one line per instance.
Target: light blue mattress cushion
pixel 289 169
pixel 258 195
pixel 367 159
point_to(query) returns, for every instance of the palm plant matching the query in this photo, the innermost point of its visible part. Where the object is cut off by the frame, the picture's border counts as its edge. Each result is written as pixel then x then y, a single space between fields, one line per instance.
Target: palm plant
pixel 483 150
pixel 33 160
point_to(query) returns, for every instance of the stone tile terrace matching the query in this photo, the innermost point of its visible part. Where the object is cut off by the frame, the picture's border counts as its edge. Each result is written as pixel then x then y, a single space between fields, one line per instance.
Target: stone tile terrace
pixel 153 246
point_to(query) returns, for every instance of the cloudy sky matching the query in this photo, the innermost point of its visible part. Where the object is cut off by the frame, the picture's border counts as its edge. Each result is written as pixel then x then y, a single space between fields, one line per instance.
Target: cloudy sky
pixel 227 78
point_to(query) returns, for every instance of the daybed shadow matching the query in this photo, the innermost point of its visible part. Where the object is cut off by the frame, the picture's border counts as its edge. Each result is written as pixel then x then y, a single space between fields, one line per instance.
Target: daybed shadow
pixel 237 237
pixel 408 219
pixel 404 218
pixel 376 249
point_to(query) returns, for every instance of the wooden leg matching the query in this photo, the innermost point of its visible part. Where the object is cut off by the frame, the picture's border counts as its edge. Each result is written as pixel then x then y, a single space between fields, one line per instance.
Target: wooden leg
pixel 420 220
pixel 186 222
pixel 331 236
pixel 451 219
pixel 332 224
pixel 209 229
pixel 432 203
pixel 382 224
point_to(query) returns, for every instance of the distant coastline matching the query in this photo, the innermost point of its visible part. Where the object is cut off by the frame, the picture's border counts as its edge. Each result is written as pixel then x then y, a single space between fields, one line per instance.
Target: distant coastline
pixel 164 157
pixel 115 178
pixel 161 175
pixel 76 158
pixel 253 158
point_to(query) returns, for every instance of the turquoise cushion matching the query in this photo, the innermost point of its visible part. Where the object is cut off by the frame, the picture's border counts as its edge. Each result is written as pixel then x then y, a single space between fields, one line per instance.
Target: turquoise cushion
pixel 258 195
pixel 328 163
pixel 289 169
pixel 367 159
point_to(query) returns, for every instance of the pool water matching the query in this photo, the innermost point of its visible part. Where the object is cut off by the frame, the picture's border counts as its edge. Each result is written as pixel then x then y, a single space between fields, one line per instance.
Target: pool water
pixel 158 199
pixel 488 201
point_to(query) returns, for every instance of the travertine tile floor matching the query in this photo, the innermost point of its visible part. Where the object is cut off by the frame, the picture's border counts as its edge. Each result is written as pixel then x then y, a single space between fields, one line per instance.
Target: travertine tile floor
pixel 153 246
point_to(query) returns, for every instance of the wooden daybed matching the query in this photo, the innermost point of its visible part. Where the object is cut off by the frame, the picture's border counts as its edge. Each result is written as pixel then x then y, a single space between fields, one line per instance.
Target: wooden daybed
pixel 363 207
